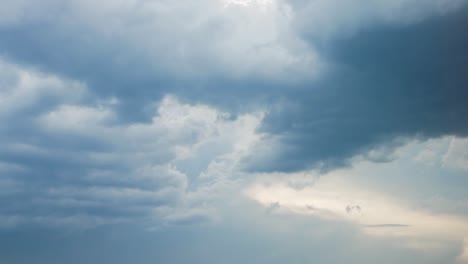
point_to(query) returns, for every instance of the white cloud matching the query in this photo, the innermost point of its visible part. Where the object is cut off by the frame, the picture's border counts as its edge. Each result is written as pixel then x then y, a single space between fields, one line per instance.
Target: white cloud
pixel 22 88
pixel 77 119
pixel 457 154
pixel 193 38
pixel 448 151
pixel 202 134
pixel 238 39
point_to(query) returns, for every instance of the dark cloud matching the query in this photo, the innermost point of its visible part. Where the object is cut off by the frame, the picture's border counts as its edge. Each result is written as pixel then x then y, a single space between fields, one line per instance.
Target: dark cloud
pixel 353 209
pixel 389 83
pixel 68 161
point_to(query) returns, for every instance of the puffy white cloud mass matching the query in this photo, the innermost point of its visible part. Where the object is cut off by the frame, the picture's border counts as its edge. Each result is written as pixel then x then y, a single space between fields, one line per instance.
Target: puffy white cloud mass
pixel 238 39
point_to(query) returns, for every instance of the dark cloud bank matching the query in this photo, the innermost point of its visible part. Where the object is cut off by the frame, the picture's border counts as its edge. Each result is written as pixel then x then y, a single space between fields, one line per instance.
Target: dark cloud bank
pixel 390 82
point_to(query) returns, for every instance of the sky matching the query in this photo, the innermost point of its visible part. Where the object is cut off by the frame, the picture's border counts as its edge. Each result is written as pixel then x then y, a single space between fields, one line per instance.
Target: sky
pixel 233 131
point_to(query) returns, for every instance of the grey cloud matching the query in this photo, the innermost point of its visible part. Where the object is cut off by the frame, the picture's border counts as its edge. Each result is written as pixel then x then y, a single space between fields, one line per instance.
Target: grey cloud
pixel 323 19
pixel 84 144
pixel 248 237
pixel 273 207
pixel 141 45
pixel 350 209
pixel 390 83
pixel 140 49
pixel 383 82
pixel 72 159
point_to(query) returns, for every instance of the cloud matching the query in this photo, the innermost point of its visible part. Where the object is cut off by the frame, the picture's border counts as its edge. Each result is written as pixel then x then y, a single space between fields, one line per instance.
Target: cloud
pixel 130 42
pixel 343 123
pixel 22 90
pixel 78 161
pixel 394 199
pixel 339 79
pixel 457 154
pixel 152 39
pixel 390 84
pixel 335 19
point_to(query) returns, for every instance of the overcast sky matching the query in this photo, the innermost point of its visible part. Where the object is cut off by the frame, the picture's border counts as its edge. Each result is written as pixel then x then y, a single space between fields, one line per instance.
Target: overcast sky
pixel 233 131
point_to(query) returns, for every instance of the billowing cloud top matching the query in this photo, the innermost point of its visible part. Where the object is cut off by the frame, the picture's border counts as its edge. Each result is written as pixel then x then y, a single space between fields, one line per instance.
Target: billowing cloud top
pixel 313 126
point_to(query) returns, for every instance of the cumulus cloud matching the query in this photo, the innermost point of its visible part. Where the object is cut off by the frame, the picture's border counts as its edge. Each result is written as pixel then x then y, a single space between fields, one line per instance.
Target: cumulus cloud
pixel 23 90
pixel 191 39
pixel 342 123
pixel 184 39
pixel 357 75
pixel 77 161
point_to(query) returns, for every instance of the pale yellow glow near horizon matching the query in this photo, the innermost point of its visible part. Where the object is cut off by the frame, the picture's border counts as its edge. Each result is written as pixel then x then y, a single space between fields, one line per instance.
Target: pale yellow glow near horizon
pixel 376 214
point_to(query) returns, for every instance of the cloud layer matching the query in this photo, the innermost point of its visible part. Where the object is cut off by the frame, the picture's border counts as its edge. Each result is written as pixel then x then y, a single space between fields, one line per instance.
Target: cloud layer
pixel 233 131
pixel 66 161
pixel 391 83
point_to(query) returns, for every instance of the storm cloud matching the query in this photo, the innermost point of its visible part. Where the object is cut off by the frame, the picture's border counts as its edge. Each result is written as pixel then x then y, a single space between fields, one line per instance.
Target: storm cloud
pixel 389 84
pixel 253 131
